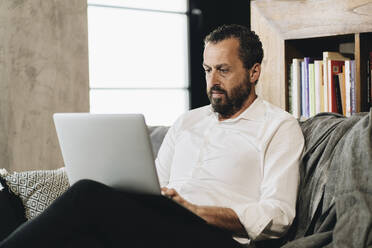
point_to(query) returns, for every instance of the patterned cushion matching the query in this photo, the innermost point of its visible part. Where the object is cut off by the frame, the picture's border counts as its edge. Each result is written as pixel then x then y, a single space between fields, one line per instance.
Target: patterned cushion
pixel 37 189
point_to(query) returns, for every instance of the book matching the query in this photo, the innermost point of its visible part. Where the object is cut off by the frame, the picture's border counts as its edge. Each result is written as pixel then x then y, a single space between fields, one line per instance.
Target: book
pixel 290 81
pixel 303 89
pixel 296 88
pixel 338 103
pixel 334 68
pixel 348 88
pixel 307 61
pixel 343 91
pixel 311 72
pixel 341 80
pixel 353 88
pixel 319 86
pixel 328 56
pixel 347 48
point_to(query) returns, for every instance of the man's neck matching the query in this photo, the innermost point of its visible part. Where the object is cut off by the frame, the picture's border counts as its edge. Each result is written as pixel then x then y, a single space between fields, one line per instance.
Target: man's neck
pixel 246 105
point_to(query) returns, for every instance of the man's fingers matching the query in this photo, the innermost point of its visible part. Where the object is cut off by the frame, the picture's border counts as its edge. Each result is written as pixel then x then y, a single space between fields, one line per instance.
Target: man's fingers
pixel 169 192
pixel 178 199
pixel 163 190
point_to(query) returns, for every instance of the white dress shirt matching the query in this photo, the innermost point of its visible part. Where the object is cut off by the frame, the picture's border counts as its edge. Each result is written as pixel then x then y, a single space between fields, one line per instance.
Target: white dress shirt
pixel 249 164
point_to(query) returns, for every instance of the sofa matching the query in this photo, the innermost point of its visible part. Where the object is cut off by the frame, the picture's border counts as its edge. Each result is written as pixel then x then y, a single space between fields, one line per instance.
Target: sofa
pixel 334 207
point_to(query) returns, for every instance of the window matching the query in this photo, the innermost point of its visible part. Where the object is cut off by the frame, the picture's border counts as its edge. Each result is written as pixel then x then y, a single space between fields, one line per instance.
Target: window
pixel 138 58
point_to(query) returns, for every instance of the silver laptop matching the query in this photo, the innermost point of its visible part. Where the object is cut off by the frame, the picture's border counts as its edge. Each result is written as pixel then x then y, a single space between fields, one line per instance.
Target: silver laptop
pixel 113 149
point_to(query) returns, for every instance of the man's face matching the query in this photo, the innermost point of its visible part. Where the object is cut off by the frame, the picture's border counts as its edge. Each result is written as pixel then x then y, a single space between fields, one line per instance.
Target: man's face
pixel 228 84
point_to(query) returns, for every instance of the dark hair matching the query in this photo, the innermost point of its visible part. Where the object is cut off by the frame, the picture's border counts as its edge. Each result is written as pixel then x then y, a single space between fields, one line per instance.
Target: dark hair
pixel 250 46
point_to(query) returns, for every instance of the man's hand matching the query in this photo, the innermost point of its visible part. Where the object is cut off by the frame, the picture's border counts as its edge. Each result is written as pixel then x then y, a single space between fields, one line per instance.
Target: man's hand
pixel 222 217
pixel 173 194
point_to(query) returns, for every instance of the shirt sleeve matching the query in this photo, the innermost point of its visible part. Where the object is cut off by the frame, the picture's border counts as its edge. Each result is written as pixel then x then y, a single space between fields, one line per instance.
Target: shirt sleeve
pixel 271 215
pixel 164 159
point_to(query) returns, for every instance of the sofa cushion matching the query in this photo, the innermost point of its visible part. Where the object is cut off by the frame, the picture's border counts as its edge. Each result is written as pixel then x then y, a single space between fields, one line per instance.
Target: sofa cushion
pixel 37 189
pixel 157 134
pixel 12 212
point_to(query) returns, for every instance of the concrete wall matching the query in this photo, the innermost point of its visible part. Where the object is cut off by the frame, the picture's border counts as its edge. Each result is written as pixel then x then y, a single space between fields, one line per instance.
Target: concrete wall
pixel 43 70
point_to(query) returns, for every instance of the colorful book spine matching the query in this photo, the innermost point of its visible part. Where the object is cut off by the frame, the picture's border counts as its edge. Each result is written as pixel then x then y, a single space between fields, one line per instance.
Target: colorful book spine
pixel 296 88
pixel 341 81
pixel 334 67
pixel 326 57
pixel 290 82
pixel 348 88
pixel 319 86
pixel 325 81
pixel 338 101
pixel 303 89
pixel 342 89
pixel 353 90
pixel 312 89
pixel 307 61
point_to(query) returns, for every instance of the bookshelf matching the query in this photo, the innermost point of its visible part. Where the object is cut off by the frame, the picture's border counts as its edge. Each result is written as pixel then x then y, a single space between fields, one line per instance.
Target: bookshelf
pixel 295 28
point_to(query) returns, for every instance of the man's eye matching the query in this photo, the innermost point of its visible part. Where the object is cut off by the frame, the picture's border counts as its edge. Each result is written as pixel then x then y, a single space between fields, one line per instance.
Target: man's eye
pixel 207 70
pixel 224 70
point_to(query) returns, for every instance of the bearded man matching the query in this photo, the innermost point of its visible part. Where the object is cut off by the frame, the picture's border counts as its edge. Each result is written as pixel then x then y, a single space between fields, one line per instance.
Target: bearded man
pixel 231 167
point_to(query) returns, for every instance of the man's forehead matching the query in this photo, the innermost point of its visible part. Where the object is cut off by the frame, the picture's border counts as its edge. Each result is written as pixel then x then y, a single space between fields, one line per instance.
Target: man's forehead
pixel 230 44
pixel 222 52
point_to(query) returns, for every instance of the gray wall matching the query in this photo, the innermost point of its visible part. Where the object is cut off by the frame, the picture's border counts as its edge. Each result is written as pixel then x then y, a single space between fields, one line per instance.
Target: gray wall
pixel 43 70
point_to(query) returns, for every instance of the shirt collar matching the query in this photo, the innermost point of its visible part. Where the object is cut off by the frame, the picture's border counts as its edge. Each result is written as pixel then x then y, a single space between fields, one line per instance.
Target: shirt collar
pixel 255 111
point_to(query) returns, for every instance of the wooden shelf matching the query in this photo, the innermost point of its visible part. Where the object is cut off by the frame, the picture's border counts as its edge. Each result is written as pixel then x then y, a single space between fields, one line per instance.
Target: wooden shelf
pixel 307 29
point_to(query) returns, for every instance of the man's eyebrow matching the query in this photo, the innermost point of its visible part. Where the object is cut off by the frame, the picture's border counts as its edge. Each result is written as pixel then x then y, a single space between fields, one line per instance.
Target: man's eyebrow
pixel 222 65
pixel 217 66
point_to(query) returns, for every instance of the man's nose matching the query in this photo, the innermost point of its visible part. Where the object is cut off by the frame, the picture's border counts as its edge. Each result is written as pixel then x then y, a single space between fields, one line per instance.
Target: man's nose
pixel 213 78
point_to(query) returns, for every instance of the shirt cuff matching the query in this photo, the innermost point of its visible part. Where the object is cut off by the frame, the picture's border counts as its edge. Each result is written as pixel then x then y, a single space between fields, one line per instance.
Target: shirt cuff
pixel 253 220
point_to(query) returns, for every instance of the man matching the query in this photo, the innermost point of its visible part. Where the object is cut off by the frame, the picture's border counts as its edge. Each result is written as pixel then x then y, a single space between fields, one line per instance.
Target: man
pixel 243 155
pixel 233 165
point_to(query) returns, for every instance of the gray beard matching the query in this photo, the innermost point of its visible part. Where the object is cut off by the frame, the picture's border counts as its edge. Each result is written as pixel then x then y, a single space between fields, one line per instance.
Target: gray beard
pixel 233 103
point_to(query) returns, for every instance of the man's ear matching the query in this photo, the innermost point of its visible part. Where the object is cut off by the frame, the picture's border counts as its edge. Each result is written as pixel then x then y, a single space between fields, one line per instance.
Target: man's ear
pixel 255 72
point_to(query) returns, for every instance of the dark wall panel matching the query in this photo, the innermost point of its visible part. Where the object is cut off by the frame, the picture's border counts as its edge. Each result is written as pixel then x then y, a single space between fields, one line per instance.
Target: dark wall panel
pixel 206 15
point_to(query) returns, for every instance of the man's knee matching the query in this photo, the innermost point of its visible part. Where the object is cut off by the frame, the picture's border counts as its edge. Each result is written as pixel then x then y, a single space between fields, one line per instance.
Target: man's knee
pixel 87 186
pixel 88 193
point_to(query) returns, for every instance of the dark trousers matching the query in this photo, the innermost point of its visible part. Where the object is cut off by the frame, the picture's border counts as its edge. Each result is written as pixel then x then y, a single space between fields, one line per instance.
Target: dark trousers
pixel 112 218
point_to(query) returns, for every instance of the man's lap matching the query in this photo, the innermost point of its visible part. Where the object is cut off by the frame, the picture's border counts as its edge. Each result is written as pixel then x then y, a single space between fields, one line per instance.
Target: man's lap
pixel 150 216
